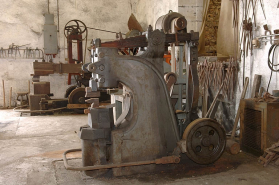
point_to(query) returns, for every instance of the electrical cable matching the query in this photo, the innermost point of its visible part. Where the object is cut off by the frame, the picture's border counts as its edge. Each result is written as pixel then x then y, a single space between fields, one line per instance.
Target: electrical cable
pixel 271 63
pixel 104 30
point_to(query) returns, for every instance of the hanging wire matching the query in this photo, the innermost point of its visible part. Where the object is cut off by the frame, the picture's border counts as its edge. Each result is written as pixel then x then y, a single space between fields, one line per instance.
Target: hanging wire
pixel 271 64
pixel 104 30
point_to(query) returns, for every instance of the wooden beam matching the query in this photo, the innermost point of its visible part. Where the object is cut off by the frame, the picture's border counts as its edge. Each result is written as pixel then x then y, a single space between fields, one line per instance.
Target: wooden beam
pixel 47 68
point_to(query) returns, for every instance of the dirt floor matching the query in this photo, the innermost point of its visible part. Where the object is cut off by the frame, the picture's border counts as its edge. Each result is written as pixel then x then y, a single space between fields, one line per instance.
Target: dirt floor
pixel 31 149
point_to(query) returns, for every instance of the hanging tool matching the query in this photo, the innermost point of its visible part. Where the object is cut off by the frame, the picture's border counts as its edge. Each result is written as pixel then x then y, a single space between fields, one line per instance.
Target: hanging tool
pixel 267 31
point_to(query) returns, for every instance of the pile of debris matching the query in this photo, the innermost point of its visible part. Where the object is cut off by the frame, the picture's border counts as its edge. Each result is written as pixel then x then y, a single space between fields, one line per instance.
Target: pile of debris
pixel 270 154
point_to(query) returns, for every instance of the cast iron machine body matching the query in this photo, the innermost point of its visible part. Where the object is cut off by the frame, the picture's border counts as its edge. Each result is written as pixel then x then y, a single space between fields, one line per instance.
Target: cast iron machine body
pixel 146 131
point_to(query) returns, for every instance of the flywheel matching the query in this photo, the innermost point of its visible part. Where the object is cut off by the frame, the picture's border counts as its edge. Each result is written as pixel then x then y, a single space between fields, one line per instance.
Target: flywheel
pixel 69 90
pixel 205 140
pixel 77 96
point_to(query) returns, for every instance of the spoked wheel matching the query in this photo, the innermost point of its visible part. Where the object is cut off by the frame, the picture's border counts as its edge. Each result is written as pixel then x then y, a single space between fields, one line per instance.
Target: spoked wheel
pixel 205 140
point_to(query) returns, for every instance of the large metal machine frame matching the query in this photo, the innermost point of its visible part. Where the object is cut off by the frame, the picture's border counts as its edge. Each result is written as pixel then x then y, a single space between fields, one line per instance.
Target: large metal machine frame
pixel 144 129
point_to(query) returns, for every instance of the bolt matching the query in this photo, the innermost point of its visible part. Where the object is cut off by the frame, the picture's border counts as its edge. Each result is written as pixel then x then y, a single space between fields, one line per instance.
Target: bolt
pixel 102 80
pixel 101 55
pixel 102 67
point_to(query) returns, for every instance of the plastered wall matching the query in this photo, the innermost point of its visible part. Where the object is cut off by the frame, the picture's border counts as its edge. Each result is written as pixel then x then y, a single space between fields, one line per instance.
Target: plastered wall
pixel 257 63
pixel 192 10
pixel 22 23
pixel 147 12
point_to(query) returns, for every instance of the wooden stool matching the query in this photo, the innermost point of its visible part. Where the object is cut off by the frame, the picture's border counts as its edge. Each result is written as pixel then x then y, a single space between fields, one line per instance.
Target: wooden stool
pixel 21 95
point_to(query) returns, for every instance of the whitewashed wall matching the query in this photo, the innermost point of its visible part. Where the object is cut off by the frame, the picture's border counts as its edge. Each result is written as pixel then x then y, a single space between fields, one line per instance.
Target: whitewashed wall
pixel 257 63
pixel 192 10
pixel 147 12
pixel 22 23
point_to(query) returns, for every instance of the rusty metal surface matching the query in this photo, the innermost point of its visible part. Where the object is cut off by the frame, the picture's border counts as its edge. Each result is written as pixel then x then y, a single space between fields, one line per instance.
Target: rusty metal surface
pixel 133 23
pixel 141 41
pixel 88 168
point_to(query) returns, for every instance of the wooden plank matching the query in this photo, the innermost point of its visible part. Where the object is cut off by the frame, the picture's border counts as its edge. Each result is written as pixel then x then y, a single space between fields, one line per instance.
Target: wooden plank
pixel 78 106
pixel 256 86
pixel 46 68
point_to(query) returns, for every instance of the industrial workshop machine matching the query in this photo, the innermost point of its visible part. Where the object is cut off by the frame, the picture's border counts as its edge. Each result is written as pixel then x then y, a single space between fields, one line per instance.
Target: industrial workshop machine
pixel 140 128
pixel 74 98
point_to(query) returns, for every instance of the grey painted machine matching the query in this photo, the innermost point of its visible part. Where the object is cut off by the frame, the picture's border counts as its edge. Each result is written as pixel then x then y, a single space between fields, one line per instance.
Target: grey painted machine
pixel 140 128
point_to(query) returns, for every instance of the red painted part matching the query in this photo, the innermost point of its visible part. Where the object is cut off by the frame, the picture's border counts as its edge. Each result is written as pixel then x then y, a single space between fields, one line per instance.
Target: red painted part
pixel 78 40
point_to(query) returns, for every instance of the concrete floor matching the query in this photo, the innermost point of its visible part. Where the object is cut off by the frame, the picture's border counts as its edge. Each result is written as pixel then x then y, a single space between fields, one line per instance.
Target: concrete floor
pixel 31 153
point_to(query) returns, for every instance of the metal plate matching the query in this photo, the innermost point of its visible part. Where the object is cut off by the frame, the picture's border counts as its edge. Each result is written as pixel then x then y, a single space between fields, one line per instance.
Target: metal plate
pixel 205 140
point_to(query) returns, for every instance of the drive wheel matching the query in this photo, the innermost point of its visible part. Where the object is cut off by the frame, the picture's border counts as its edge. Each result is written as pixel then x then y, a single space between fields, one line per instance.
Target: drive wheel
pixel 205 140
pixel 77 96
pixel 69 90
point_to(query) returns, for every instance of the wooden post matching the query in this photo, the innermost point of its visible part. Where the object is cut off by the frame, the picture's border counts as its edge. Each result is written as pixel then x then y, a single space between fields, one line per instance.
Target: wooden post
pixel 4 101
pixel 256 86
pixel 11 97
pixel 28 86
pixel 238 110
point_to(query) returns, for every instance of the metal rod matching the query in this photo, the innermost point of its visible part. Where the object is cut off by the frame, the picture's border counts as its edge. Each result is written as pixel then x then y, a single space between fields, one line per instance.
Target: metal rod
pixel 48 6
pixel 103 30
pixel 173 58
pixel 214 101
pixel 263 36
pixel 163 160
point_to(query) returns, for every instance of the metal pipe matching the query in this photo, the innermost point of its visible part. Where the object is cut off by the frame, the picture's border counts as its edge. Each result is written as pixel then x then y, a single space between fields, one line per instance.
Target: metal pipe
pixel 48 5
pixel 173 58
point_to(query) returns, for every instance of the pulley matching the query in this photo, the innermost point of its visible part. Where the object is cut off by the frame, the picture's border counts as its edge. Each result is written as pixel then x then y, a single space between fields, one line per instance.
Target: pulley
pixel 205 140
pixel 77 96
pixel 75 27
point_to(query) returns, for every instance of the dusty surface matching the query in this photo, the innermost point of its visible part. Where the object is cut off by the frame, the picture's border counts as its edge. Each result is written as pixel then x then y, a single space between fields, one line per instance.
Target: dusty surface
pixel 31 153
